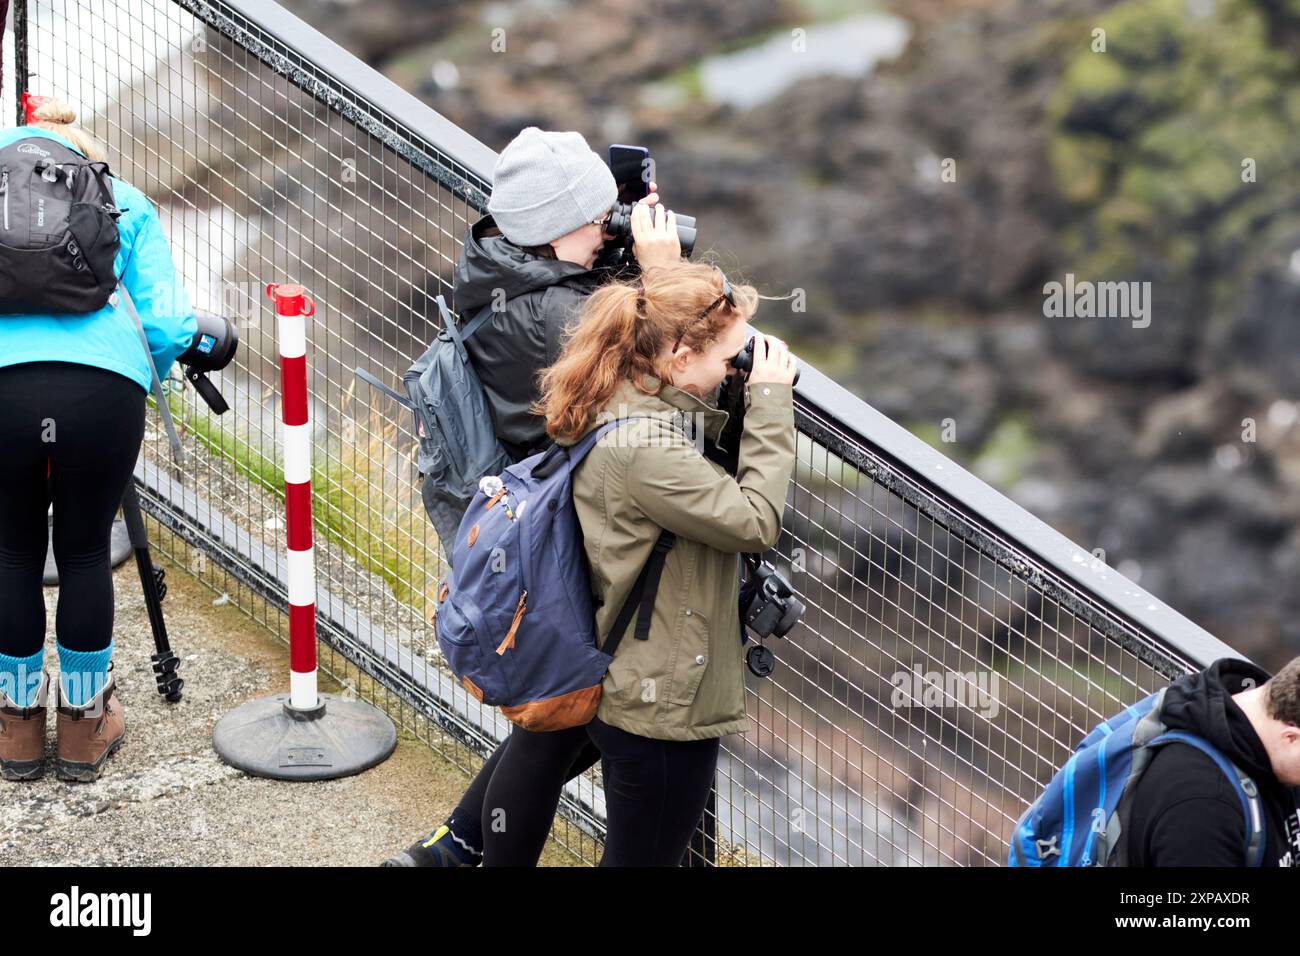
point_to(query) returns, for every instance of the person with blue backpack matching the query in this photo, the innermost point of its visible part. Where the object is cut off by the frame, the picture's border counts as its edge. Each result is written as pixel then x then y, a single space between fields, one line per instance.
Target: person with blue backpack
pixel 595 586
pixel 632 400
pixel 1202 773
pixel 525 271
pixel 75 242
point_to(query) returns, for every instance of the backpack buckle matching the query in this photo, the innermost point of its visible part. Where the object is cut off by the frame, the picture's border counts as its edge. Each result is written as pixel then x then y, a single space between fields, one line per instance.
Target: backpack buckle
pixel 1046 848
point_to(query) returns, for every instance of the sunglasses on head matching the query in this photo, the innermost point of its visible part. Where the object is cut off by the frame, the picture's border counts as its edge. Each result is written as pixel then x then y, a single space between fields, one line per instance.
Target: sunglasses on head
pixel 726 297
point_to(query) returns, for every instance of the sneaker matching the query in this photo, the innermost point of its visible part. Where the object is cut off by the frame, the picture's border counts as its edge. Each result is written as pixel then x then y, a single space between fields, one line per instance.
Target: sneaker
pixel 440 848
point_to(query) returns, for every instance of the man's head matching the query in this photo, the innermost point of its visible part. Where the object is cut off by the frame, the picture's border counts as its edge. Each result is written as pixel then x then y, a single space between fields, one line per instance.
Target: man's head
pixel 1274 711
pixel 549 188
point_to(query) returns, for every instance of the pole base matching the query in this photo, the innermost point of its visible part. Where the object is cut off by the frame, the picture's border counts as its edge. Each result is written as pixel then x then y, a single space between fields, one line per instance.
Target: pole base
pixel 267 737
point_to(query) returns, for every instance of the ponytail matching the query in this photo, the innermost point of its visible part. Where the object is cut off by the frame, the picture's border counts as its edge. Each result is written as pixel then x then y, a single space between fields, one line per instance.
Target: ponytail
pixel 623 330
pixel 596 358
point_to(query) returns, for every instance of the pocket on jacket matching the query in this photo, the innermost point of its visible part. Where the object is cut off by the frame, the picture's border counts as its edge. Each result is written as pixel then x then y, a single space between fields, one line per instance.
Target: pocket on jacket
pixel 691 658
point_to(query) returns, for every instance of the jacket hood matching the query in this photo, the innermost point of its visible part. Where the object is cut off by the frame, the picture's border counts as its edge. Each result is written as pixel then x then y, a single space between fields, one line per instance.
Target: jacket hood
pixel 488 263
pixel 671 402
pixel 14 133
pixel 1202 703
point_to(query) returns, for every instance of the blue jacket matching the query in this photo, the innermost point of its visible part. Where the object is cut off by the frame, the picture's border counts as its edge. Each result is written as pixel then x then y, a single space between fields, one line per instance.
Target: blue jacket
pixel 108 338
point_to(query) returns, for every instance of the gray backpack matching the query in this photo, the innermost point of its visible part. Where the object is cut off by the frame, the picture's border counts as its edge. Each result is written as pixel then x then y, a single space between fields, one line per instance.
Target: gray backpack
pixel 58 229
pixel 453 423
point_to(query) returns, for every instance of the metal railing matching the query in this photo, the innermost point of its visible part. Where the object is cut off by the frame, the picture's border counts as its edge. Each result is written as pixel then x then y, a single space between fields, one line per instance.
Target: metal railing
pixel 954 649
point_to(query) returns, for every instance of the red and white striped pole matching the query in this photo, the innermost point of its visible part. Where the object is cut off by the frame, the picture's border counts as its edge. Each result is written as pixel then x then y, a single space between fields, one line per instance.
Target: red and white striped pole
pixel 309 736
pixel 292 306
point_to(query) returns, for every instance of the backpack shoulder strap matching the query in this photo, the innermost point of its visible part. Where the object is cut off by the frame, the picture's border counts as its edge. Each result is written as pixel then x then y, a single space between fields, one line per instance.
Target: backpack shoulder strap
pixel 555 453
pixel 641 599
pixel 101 174
pixel 579 449
pixel 1247 792
pixel 376 383
pixel 476 323
pixel 459 335
pixel 575 453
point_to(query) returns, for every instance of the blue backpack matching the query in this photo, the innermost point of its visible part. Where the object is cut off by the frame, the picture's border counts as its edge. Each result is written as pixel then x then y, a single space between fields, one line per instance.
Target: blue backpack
pixel 1079 818
pixel 514 617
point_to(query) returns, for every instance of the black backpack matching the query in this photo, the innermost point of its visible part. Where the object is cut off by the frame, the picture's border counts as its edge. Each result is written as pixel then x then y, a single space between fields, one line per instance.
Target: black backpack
pixel 58 229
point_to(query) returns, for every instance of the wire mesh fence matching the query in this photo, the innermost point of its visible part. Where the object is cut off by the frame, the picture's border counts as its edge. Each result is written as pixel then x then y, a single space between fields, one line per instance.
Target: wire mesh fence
pixel 941 672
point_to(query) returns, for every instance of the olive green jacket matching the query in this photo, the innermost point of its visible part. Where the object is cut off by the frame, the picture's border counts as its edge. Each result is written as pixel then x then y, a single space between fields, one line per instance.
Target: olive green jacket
pixel 686 681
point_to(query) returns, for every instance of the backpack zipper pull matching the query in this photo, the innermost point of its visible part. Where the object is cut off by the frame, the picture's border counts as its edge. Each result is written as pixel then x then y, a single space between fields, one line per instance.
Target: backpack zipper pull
pixel 514 624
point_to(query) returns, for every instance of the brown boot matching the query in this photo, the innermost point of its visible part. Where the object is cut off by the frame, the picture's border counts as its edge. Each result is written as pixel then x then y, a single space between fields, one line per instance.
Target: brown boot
pixel 88 735
pixel 22 735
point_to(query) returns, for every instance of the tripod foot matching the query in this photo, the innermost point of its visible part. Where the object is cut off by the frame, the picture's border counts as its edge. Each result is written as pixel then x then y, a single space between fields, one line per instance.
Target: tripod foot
pixel 169 682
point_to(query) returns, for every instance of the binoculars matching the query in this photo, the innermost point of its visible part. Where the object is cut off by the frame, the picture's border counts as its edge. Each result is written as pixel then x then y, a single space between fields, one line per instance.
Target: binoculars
pixel 744 360
pixel 620 227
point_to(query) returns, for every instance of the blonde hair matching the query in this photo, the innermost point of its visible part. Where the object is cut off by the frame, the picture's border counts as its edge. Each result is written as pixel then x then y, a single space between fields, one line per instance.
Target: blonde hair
pixel 623 329
pixel 55 116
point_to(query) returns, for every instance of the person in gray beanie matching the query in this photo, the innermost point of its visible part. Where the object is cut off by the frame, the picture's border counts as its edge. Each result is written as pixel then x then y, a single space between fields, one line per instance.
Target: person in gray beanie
pixel 546 185
pixel 533 257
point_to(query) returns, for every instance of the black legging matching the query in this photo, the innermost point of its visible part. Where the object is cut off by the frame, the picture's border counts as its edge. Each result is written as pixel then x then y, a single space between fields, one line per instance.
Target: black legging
pixel 87 422
pixel 516 792
pixel 655 793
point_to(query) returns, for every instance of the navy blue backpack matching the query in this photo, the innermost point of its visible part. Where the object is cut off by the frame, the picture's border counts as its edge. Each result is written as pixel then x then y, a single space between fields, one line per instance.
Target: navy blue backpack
pixel 514 617
pixel 1079 818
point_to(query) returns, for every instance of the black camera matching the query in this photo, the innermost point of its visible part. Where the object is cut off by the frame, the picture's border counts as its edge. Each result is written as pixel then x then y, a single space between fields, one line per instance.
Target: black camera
pixel 744 360
pixel 768 607
pixel 769 603
pixel 212 349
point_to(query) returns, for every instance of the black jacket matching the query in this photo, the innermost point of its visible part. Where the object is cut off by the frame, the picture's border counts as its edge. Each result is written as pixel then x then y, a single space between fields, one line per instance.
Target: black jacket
pixel 1184 810
pixel 539 297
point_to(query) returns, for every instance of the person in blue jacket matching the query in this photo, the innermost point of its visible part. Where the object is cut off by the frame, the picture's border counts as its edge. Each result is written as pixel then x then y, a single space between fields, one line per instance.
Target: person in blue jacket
pixel 72 412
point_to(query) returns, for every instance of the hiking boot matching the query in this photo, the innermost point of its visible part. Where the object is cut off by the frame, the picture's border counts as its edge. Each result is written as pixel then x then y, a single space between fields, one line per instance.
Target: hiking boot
pixel 22 735
pixel 439 848
pixel 88 735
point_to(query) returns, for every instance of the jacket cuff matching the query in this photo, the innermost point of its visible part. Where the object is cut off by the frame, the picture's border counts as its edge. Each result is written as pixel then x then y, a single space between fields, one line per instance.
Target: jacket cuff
pixel 768 395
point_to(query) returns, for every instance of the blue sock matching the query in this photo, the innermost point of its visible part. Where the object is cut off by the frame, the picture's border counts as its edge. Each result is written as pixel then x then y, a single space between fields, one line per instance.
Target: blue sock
pixel 20 677
pixel 83 674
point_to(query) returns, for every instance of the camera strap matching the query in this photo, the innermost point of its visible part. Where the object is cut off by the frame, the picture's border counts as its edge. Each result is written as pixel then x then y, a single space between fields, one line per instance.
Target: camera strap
pixel 159 398
pixel 641 599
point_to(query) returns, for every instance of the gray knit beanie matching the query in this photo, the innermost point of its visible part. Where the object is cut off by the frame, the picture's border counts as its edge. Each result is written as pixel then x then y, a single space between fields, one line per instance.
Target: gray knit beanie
pixel 547 184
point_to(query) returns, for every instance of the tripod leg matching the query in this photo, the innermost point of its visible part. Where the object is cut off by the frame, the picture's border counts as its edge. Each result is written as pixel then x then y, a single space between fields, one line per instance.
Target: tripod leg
pixel 165 662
